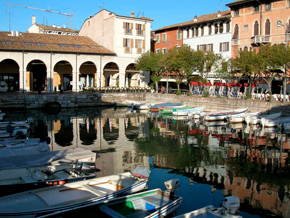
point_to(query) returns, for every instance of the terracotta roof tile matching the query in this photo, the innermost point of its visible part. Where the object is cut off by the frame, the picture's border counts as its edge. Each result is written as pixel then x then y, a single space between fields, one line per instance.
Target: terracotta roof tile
pixel 237 2
pixel 200 19
pixel 50 42
pixel 44 27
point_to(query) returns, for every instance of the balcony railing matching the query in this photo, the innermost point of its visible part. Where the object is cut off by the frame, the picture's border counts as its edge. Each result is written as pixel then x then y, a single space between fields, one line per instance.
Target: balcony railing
pixel 235 42
pixel 140 50
pixel 256 40
pixel 128 50
pixel 140 32
pixel 128 31
pixel 261 39
pixel 265 39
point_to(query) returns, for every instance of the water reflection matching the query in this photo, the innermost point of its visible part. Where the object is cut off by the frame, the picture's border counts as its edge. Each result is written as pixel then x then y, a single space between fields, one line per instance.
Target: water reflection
pixel 246 161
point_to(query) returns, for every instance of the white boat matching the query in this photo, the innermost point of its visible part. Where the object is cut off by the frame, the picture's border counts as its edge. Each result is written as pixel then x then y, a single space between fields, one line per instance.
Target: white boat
pixel 221 115
pixel 41 158
pixel 70 196
pixel 14 132
pixel 187 112
pixel 275 122
pixel 257 120
pixel 21 179
pixel 229 209
pixel 1 115
pixel 241 117
pixel 14 124
pixel 152 203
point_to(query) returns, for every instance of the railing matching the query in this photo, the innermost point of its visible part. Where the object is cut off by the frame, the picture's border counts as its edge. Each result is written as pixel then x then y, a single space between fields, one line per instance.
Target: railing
pixel 265 39
pixel 128 50
pixel 128 31
pixel 256 40
pixel 140 50
pixel 235 42
pixel 140 32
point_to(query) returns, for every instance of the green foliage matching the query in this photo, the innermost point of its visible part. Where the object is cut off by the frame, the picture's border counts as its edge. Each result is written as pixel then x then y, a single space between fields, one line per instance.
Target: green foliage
pixel 206 94
pixel 117 84
pixel 178 92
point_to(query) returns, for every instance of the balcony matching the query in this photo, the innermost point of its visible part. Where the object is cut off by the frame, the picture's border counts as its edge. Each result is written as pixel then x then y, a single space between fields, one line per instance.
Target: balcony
pixel 255 40
pixel 235 42
pixel 140 32
pixel 128 31
pixel 265 39
pixel 128 50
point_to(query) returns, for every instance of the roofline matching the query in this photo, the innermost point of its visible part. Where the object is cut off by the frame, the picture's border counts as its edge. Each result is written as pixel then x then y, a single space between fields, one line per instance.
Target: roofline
pixel 239 2
pixel 60 52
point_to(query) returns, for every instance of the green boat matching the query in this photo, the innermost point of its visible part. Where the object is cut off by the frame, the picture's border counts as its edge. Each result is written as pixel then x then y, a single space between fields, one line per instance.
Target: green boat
pixel 170 110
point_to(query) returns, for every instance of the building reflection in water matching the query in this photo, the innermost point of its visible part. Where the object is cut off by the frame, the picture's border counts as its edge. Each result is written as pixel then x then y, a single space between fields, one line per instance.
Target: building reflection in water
pixel 240 160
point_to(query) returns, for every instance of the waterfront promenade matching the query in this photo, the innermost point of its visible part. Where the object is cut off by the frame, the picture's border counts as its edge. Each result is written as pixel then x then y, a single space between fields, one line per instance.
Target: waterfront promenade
pixel 88 99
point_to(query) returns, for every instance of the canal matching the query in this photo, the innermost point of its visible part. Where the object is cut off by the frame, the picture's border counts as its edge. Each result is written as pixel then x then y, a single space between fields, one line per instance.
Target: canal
pixel 211 161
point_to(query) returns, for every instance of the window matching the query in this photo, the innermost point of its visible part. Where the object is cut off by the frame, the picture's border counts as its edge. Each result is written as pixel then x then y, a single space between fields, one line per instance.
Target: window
pixel 267 27
pixel 246 28
pixel 268 6
pixel 127 27
pixel 196 31
pixel 228 27
pixel 224 46
pixel 187 31
pixel 245 48
pixel 157 38
pixel 76 46
pixel 236 12
pixel 256 28
pixel 127 43
pixel 201 30
pixel 139 43
pixel 27 43
pixel 236 32
pixel 8 42
pixel 163 50
pixel 139 29
pixel 158 50
pixel 221 28
pixel 209 29
pixel 209 47
pixel 256 8
pixel 216 29
pixel 63 45
pixel 164 37
pixel 179 35
pixel 205 47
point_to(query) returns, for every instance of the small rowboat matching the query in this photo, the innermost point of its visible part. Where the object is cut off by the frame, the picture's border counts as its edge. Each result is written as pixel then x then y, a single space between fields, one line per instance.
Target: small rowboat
pixel 275 122
pixel 155 108
pixel 241 118
pixel 221 115
pixel 257 120
pixel 187 112
pixel 153 203
pixel 169 110
pixel 70 196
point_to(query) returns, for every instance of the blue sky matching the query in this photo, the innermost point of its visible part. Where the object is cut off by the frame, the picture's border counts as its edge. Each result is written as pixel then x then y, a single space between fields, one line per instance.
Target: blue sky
pixel 163 12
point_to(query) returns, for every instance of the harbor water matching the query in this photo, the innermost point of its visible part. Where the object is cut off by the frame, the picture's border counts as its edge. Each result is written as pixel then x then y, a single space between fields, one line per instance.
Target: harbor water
pixel 211 160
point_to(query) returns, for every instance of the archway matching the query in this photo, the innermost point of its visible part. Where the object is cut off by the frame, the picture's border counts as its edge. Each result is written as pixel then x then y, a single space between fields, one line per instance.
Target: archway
pixel 36 75
pixel 9 72
pixel 111 70
pixel 132 76
pixel 62 76
pixel 88 74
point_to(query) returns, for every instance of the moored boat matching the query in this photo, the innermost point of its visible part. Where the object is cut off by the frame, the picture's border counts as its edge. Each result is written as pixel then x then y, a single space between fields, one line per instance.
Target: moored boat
pixel 241 118
pixel 229 209
pixel 70 196
pixel 221 115
pixel 257 120
pixel 187 112
pixel 275 122
pixel 155 108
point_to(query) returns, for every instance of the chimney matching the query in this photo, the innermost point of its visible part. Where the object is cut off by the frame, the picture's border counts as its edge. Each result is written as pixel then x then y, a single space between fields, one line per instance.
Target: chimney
pixel 132 14
pixel 219 14
pixel 33 20
pixel 195 18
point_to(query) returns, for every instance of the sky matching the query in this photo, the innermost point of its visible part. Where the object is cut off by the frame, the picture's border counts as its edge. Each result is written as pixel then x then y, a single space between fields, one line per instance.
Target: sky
pixel 162 12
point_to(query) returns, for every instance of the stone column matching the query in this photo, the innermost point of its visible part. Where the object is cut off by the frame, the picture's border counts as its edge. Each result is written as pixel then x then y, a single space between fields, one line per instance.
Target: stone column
pixel 22 74
pixel 75 75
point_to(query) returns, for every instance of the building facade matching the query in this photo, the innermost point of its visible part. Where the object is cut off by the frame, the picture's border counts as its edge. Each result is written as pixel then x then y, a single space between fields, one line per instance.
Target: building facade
pixel 54 59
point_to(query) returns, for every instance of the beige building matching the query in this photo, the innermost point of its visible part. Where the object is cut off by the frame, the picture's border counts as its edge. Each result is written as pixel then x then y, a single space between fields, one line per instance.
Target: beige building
pixel 55 59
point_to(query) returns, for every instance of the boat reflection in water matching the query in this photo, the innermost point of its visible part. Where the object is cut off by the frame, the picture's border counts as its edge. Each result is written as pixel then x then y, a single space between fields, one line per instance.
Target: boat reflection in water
pixel 211 160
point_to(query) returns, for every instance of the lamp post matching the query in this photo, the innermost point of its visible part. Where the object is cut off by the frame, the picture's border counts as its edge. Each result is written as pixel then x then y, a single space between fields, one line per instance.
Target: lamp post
pixel 286 27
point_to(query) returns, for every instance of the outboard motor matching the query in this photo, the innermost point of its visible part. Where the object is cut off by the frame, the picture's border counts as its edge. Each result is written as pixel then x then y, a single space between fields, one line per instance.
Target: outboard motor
pixel 231 204
pixel 172 185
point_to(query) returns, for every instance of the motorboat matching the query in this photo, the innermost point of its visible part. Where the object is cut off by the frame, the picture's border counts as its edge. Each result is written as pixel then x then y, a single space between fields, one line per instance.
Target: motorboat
pixel 187 112
pixel 221 115
pixel 14 132
pixel 229 209
pixel 275 122
pixel 14 180
pixel 152 203
pixel 155 108
pixel 70 196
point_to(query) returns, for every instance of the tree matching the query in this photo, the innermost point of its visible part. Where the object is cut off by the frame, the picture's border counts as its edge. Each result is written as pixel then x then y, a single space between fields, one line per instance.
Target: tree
pixel 154 63
pixel 180 63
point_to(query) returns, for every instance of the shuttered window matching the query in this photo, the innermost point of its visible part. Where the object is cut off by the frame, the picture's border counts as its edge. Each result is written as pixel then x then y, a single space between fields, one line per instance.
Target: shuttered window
pixel 236 32
pixel 267 27
pixel 224 46
pixel 256 28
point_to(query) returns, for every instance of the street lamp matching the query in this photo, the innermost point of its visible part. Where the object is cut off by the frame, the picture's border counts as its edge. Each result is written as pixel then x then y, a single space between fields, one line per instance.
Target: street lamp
pixel 286 27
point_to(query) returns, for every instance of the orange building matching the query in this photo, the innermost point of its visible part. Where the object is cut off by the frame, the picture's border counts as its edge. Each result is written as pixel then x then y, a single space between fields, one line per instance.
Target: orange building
pixel 168 37
pixel 256 22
